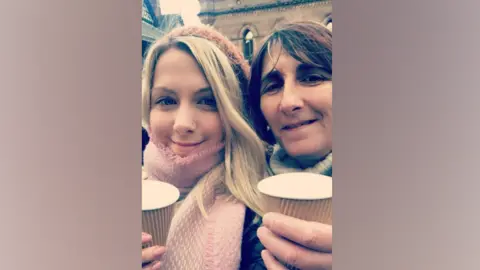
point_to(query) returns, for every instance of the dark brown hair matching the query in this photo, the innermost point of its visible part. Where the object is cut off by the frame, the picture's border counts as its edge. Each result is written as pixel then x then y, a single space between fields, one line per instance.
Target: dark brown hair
pixel 307 42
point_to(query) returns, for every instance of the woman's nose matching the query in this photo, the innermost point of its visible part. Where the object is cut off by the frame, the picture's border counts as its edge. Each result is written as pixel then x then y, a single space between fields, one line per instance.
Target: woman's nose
pixel 184 121
pixel 291 101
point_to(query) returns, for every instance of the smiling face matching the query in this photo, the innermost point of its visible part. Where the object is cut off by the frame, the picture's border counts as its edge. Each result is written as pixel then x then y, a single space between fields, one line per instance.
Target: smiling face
pixel 296 101
pixel 183 115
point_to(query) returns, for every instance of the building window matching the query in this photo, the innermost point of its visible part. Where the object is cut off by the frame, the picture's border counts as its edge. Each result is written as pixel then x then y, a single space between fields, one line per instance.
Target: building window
pixel 248 45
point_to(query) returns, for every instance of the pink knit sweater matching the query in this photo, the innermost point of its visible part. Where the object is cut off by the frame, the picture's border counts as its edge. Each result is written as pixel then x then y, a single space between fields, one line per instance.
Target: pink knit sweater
pixel 196 242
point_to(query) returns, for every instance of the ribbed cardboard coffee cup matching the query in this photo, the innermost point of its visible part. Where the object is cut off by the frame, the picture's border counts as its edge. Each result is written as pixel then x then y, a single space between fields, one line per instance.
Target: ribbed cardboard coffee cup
pixel 305 196
pixel 158 199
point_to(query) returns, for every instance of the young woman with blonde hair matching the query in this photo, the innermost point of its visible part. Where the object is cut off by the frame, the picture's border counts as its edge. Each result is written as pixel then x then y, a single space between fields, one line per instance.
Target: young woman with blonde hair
pixel 201 142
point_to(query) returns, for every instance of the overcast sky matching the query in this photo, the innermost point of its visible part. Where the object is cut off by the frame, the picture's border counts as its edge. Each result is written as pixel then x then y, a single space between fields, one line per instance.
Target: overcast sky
pixel 189 9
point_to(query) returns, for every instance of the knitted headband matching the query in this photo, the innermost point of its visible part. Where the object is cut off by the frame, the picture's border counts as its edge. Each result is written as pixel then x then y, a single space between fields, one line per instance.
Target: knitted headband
pixel 222 42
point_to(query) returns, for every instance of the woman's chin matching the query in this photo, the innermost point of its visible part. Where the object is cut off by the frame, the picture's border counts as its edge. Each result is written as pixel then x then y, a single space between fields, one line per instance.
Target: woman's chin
pixel 306 149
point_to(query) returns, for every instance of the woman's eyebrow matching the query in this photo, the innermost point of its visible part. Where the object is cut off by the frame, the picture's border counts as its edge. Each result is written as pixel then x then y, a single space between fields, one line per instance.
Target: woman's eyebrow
pixel 205 90
pixel 164 89
pixel 306 67
pixel 303 68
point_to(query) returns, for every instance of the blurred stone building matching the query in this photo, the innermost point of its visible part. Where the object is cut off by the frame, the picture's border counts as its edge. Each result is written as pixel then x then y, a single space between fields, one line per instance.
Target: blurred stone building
pixel 155 24
pixel 246 22
pixel 150 31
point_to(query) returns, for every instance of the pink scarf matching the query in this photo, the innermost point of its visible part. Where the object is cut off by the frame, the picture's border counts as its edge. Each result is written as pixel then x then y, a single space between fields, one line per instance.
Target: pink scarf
pixel 195 242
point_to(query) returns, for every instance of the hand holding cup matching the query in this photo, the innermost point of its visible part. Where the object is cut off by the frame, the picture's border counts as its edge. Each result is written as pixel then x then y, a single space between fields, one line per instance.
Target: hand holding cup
pixel 158 199
pixel 297 228
pixel 297 243
pixel 151 255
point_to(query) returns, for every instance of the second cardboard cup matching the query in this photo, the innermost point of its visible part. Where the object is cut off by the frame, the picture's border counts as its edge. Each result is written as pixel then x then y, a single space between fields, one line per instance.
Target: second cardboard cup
pixel 158 199
pixel 301 195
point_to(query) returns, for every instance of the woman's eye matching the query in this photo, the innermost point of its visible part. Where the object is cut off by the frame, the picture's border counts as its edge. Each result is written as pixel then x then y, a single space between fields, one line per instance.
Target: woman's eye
pixel 211 102
pixel 271 88
pixel 166 101
pixel 313 79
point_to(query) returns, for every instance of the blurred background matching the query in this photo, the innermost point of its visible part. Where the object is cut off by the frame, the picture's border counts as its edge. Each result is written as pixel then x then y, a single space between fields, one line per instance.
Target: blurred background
pixel 245 22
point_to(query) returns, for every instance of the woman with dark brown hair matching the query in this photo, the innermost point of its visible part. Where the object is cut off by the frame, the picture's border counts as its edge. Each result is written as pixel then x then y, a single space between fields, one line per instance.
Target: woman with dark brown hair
pixel 290 104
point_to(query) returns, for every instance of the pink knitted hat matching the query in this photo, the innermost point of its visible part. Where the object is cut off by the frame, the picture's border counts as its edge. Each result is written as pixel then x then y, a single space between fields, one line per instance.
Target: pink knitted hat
pixel 208 32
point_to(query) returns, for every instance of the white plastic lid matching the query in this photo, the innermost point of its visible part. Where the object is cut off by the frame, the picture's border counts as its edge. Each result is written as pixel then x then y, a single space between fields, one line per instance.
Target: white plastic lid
pixel 157 194
pixel 297 186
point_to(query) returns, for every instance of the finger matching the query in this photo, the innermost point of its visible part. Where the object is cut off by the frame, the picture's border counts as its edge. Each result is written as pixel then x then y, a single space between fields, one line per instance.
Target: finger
pixel 153 266
pixel 313 235
pixel 293 254
pixel 270 262
pixel 152 253
pixel 146 238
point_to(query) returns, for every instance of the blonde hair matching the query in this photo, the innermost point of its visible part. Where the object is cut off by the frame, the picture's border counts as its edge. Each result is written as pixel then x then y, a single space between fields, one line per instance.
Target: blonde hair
pixel 244 164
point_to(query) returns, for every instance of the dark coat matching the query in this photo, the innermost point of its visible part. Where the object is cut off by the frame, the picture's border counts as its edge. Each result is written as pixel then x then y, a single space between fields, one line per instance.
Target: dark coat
pixel 251 245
